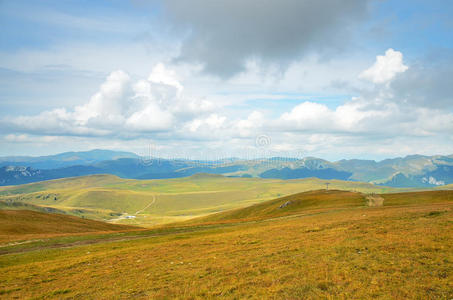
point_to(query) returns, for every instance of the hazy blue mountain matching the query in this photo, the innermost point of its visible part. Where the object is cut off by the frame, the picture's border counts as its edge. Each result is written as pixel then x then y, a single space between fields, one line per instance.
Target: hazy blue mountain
pixel 324 173
pixel 409 171
pixel 441 175
pixel 366 170
pixel 123 167
pixel 401 180
pixel 65 159
pixel 12 175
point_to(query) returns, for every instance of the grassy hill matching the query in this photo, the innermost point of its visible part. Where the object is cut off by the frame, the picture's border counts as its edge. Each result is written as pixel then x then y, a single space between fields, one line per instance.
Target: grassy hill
pixel 293 204
pixel 326 245
pixel 26 224
pixel 323 200
pixel 414 198
pixel 107 197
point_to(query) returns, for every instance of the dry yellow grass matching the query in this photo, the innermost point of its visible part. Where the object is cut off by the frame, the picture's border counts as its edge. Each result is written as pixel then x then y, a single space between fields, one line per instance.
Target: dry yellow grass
pixel 359 252
pixel 307 202
pixel 375 200
pixel 25 224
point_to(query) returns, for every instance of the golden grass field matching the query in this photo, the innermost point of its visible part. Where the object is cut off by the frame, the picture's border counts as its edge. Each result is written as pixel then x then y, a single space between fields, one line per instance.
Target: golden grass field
pixel 322 245
pixel 28 225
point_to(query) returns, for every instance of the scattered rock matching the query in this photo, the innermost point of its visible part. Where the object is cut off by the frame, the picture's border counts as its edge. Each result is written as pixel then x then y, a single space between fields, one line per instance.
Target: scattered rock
pixel 285 204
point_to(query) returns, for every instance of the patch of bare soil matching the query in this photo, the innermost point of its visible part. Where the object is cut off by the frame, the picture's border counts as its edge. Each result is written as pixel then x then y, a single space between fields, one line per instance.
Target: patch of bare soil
pixel 375 200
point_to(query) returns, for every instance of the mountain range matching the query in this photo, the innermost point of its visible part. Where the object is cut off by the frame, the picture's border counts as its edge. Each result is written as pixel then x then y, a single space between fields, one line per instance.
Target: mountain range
pixel 409 171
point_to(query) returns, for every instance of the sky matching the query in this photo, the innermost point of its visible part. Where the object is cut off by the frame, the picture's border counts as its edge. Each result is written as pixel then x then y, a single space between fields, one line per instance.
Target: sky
pixel 368 79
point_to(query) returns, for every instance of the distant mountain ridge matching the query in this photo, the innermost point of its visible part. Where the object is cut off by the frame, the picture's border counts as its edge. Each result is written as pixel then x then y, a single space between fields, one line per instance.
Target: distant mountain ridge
pixel 409 171
pixel 65 159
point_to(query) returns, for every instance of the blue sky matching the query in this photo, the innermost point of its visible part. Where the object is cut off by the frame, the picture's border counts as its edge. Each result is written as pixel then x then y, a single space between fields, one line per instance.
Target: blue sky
pixel 338 79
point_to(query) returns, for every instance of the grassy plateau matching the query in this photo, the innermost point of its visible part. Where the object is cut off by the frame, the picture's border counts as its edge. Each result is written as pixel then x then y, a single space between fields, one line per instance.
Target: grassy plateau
pixel 151 202
pixel 318 244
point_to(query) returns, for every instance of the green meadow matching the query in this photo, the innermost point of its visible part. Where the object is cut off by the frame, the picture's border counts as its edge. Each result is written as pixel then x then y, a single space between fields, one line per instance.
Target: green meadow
pixel 151 202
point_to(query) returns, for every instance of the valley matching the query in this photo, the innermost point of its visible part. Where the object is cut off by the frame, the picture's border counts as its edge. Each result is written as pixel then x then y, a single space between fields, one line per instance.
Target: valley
pixel 128 201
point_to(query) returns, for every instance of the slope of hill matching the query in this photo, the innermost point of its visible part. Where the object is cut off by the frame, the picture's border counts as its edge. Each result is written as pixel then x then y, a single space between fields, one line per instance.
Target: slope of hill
pixel 17 205
pixel 292 204
pixel 321 200
pixel 415 198
pixel 26 224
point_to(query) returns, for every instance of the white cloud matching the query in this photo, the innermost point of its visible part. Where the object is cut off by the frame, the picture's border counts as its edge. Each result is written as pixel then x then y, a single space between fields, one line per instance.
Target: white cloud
pixel 206 126
pixel 150 119
pixel 25 138
pixel 385 68
pixel 163 108
pixel 16 137
pixel 122 107
pixel 318 118
pixel 309 115
pixel 107 104
pixel 249 126
pixel 367 117
pixel 161 75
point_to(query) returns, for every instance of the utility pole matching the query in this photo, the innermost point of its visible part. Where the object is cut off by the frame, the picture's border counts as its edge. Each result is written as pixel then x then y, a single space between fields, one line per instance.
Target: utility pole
pixel 327 185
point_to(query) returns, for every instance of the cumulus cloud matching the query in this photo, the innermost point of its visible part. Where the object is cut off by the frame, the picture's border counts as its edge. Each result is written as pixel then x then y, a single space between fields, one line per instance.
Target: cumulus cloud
pixel 426 83
pixel 203 126
pixel 224 35
pixel 308 116
pixel 249 127
pixel 107 105
pixel 161 75
pixel 159 108
pixel 385 68
pixel 350 118
pixel 381 112
pixel 150 119
pixel 120 107
pixel 371 118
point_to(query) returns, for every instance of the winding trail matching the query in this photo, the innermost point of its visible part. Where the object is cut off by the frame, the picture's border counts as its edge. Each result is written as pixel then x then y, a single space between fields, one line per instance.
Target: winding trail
pixel 152 202
pixel 123 216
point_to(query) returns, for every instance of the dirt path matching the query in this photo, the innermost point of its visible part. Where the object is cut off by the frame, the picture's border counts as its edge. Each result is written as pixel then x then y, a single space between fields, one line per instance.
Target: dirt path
pixel 152 202
pixel 70 245
pixel 150 234
pixel 123 216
